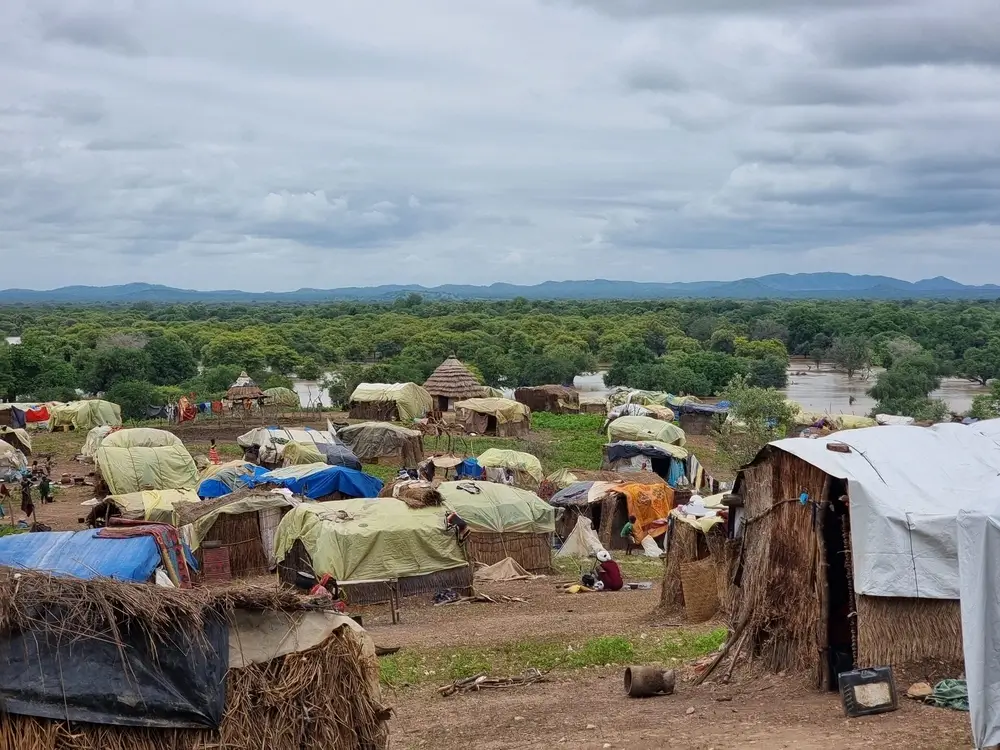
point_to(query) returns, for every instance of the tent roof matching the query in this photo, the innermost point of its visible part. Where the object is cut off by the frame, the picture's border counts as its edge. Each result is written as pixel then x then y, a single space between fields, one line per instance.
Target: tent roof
pixel 646 429
pixel 412 401
pixel 140 437
pixel 497 457
pixel 504 409
pixel 498 508
pixel 376 428
pixel 452 379
pixel 906 486
pixel 81 554
pixel 318 480
pixel 135 469
pixel 282 396
pixel 84 415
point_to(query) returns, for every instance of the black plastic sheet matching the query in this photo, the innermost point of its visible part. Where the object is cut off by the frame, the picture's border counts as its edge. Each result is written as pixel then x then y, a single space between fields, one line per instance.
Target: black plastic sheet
pixel 177 680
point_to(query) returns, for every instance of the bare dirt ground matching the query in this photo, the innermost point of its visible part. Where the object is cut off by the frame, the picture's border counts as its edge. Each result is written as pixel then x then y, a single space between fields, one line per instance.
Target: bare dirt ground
pixel 590 711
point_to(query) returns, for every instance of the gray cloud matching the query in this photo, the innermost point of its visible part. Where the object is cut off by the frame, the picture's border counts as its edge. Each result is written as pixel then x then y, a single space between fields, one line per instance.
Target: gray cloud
pixel 395 141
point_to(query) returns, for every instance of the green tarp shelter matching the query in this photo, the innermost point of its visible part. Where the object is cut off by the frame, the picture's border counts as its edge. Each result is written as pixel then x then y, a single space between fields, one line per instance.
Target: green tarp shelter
pixel 411 400
pixel 85 415
pixel 645 429
pixel 498 508
pixel 366 539
pixel 136 469
pixel 281 397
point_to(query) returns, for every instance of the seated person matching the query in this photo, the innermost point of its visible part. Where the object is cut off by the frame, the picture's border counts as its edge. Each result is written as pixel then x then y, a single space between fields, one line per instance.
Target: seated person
pixel 608 572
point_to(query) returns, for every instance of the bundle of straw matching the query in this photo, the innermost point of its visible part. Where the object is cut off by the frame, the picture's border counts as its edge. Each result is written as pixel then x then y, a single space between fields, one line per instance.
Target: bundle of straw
pixel 414 492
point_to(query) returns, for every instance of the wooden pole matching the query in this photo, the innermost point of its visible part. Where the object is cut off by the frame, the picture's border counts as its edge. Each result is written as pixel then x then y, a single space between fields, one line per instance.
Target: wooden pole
pixel 823 595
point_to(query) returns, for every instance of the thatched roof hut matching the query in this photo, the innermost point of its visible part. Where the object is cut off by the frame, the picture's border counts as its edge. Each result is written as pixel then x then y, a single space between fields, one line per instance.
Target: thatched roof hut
pixel 848 554
pixel 557 399
pixel 244 388
pixel 200 669
pixel 450 382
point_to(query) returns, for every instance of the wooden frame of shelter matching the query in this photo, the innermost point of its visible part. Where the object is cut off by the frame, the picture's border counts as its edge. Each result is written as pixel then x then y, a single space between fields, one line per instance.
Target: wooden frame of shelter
pixel 557 399
pixel 794 598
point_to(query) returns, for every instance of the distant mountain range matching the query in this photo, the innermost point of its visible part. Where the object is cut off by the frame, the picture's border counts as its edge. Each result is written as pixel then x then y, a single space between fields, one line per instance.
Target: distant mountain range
pixel 775 286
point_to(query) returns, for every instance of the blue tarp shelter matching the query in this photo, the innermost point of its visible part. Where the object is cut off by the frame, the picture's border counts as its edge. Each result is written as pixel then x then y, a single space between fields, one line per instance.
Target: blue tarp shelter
pixel 81 554
pixel 319 480
pixel 230 478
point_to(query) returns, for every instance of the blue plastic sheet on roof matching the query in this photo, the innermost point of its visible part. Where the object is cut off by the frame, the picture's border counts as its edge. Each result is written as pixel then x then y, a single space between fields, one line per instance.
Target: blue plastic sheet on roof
pixel 81 554
pixel 229 480
pixel 322 482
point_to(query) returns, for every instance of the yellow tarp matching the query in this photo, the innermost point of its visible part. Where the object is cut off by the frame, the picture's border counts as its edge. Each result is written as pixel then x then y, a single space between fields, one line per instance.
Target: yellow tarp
pixel 837 421
pixel 296 454
pixel 704 524
pixel 85 415
pixel 196 531
pixel 412 401
pixel 492 507
pixel 514 460
pixel 157 506
pixel 648 503
pixel 643 398
pixel 137 469
pixel 503 409
pixel 645 429
pixel 365 539
pixel 16 435
pixel 281 397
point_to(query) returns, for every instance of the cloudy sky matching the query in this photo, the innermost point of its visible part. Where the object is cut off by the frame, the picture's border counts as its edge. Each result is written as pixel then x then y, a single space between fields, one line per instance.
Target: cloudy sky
pixel 324 143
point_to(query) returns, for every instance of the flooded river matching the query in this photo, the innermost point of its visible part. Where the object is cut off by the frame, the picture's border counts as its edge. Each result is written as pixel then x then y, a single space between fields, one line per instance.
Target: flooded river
pixel 824 390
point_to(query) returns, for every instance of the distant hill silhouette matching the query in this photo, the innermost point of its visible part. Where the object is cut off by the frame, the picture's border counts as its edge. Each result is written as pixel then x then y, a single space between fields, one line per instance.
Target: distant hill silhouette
pixel 774 286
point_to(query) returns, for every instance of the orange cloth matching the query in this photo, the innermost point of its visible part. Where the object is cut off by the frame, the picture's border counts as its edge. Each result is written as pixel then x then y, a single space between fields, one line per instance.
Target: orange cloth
pixel 649 503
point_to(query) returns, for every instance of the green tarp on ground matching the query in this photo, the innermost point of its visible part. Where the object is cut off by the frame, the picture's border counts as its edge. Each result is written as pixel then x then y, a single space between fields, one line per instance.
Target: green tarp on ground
pixel 412 401
pixel 136 469
pixel 492 507
pixel 85 415
pixel 645 429
pixel 366 539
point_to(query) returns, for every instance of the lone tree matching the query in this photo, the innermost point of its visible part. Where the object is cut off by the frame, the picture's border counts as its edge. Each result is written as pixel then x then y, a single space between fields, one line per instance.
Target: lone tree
pixel 761 415
pixel 851 353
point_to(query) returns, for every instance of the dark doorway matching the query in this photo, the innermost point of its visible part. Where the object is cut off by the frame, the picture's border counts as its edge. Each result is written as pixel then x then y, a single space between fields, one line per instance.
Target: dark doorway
pixel 842 622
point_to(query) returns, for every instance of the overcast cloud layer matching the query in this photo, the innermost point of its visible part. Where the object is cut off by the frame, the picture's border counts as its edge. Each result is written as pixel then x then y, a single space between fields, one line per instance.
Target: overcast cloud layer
pixel 324 143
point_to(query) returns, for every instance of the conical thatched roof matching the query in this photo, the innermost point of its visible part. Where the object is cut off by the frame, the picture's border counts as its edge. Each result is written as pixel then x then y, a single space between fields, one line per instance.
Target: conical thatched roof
pixel 244 387
pixel 452 379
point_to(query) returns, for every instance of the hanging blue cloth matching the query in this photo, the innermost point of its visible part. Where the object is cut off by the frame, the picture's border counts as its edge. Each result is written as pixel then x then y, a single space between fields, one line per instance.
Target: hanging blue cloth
pixel 676 472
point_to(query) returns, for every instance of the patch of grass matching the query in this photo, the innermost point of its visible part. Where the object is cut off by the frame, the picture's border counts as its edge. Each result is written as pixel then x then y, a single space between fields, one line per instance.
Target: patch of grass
pixel 574 440
pixel 633 567
pixel 412 667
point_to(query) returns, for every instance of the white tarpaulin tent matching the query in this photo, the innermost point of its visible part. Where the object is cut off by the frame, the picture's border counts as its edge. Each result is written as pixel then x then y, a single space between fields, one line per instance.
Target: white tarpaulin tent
pixel 906 487
pixel 979 565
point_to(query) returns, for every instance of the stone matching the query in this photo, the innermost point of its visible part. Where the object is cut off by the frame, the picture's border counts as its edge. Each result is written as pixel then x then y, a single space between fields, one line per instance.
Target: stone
pixel 919 691
pixel 690 711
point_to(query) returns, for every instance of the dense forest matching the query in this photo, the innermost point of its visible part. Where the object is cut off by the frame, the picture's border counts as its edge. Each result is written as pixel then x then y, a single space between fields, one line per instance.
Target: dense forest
pixel 149 353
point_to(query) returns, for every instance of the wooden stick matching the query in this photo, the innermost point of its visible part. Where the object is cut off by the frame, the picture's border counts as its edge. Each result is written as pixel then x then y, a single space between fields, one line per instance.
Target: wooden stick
pixel 725 649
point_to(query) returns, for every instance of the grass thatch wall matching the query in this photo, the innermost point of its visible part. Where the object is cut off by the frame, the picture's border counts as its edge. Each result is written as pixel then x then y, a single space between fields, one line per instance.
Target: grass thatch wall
pixel 688 544
pixel 533 552
pixel 777 571
pixel 265 703
pixel 374 411
pixel 898 632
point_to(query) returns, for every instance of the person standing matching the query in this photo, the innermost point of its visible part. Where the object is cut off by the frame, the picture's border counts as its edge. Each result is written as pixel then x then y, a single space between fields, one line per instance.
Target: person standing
pixel 45 489
pixel 27 506
pixel 213 453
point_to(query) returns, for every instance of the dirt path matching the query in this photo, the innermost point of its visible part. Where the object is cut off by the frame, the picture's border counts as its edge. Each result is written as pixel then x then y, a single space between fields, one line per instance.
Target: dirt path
pixel 772 714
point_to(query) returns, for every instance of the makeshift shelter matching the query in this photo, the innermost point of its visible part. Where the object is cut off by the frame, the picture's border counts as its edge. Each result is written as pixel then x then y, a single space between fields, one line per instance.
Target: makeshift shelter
pixel 141 437
pixel 450 382
pixel 504 522
pixel 267 445
pixel 591 404
pixel 156 506
pixel 645 429
pixel 524 469
pixel 95 437
pixel 82 554
pixel 501 417
pixel 218 480
pixel 117 665
pixel 84 415
pixel 557 399
pixel 125 467
pixel 36 414
pixel 382 442
pixel 18 437
pixel 283 397
pixel 699 560
pixel 372 540
pixel 848 552
pixel 395 402
pixel 323 482
pixel 244 388
pixel 11 416
pixel 701 419
pixel 620 396
pixel 563 478
pixel 12 462
pixel 666 460
pixel 243 524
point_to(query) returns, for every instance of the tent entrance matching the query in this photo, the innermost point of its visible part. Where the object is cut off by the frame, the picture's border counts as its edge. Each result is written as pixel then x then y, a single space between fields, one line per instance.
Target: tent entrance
pixel 841 619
